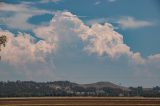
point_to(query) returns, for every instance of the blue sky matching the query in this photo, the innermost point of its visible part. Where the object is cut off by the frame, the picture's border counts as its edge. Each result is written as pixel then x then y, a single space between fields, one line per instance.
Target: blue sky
pixel 81 40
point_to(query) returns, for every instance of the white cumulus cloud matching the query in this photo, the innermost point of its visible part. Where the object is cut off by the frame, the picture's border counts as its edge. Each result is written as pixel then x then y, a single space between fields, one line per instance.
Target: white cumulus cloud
pixel 66 28
pixel 23 49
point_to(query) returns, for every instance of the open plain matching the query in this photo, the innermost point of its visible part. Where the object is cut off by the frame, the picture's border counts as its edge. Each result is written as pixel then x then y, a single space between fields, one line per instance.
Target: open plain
pixel 80 101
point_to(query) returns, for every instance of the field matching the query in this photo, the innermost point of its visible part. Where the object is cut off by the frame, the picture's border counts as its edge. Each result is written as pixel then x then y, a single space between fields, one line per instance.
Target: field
pixel 80 101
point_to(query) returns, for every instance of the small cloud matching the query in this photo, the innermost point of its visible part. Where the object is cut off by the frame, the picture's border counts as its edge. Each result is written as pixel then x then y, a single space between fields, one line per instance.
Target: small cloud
pixel 55 1
pixel 131 23
pixel 111 0
pixel 97 3
pixel 155 58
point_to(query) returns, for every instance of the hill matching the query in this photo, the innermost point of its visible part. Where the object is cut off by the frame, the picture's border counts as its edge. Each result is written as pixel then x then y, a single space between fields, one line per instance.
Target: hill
pixel 99 85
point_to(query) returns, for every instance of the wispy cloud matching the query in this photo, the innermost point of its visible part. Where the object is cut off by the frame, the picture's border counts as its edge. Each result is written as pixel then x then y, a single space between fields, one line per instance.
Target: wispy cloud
pixel 47 1
pixel 124 23
pixel 20 14
pixel 98 2
pixel 132 23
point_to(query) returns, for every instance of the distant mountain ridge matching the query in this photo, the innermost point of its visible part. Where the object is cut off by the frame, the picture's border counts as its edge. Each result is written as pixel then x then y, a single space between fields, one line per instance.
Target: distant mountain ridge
pixel 97 85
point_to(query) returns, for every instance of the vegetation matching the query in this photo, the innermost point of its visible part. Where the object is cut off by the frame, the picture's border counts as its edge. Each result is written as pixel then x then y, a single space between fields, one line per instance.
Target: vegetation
pixel 3 40
pixel 66 88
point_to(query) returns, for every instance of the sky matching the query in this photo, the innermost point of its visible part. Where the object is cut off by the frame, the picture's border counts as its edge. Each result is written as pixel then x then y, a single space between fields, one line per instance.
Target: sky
pixel 82 41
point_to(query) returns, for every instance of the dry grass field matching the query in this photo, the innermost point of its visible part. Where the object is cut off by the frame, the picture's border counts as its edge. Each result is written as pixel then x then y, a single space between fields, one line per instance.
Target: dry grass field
pixel 80 101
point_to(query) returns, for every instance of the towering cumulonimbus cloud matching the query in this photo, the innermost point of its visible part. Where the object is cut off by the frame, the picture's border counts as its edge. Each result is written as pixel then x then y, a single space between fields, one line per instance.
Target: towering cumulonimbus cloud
pixel 99 39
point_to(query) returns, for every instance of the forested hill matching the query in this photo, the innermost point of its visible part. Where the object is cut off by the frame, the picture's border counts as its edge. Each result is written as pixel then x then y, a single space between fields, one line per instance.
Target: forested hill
pixel 66 88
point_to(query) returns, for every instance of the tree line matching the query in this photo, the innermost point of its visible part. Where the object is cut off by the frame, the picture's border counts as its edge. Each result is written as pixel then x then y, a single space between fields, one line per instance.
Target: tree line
pixel 66 88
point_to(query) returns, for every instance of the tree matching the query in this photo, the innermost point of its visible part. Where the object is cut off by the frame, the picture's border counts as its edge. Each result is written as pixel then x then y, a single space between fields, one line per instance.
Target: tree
pixel 3 40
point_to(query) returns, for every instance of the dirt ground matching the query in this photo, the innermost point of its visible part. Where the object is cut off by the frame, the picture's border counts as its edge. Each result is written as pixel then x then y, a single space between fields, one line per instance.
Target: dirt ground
pixel 80 101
